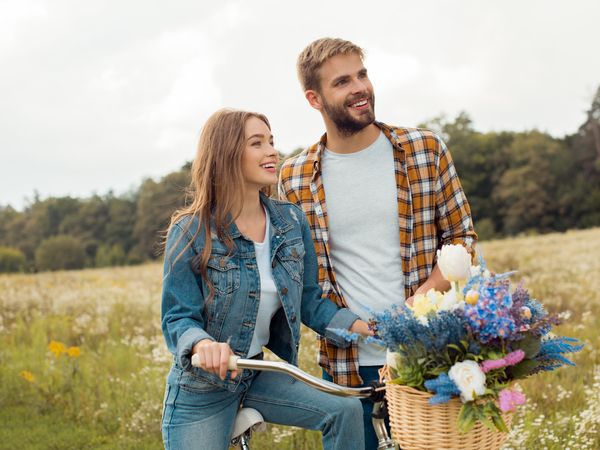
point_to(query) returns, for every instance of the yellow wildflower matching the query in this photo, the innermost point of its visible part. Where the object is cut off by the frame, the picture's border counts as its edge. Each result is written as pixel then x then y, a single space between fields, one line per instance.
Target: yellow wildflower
pixel 58 348
pixel 28 376
pixel 74 352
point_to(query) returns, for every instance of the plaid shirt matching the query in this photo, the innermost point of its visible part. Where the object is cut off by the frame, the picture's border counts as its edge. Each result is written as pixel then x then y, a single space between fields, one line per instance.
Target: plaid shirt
pixel 432 211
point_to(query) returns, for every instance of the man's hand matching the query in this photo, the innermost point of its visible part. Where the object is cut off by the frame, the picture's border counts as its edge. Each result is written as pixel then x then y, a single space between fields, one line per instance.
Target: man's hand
pixel 214 356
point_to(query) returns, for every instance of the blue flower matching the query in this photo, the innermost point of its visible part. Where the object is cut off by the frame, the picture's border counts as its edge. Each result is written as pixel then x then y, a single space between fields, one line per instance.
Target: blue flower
pixel 443 388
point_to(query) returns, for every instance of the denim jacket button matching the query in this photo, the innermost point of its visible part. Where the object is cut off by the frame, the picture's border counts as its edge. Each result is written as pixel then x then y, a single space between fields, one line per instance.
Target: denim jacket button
pixel 293 318
pixel 222 262
pixel 284 291
pixel 273 264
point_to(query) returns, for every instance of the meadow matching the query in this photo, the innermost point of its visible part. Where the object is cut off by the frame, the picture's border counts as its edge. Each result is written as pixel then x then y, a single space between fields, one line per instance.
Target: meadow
pixel 82 360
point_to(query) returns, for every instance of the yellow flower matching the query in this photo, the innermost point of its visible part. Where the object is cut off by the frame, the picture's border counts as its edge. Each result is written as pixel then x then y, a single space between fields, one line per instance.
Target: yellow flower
pixel 74 352
pixel 26 375
pixel 422 305
pixel 58 348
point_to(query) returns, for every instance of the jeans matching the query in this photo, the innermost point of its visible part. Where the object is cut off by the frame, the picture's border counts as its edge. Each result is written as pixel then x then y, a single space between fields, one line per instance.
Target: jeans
pixel 368 374
pixel 198 414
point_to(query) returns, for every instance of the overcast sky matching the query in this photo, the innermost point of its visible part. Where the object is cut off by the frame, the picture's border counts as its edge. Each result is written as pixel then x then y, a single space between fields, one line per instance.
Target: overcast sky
pixel 97 95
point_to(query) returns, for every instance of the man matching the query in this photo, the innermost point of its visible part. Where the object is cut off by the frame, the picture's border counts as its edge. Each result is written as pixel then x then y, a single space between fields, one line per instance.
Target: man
pixel 380 201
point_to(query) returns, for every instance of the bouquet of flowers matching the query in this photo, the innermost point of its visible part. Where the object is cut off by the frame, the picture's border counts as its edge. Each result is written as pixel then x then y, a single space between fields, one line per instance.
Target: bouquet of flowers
pixel 471 342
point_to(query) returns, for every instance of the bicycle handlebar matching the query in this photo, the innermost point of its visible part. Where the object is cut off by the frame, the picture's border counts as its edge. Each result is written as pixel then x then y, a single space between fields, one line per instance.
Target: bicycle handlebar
pixel 235 363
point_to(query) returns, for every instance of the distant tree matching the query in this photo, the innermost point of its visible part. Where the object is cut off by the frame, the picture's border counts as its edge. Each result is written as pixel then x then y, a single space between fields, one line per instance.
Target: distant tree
pixel 60 253
pixel 526 192
pixel 11 260
pixel 156 203
pixel 110 256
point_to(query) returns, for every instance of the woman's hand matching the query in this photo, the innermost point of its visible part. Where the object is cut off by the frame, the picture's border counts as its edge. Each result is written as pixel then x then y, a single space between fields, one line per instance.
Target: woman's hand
pixel 361 327
pixel 213 357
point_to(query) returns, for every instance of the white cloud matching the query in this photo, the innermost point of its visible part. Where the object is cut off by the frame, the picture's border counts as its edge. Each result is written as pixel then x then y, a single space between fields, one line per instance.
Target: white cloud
pixel 97 95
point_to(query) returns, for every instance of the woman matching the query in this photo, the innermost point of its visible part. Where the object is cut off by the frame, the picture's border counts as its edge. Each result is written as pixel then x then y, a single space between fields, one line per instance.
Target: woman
pixel 240 273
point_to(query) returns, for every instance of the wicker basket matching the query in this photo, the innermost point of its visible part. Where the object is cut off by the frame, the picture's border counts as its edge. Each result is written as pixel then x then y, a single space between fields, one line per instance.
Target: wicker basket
pixel 417 425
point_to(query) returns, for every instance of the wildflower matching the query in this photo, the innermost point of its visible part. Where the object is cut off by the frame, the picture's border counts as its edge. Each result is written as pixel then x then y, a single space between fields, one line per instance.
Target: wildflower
pixel 509 400
pixel 58 348
pixel 74 352
pixel 552 350
pixel 443 388
pixel 509 360
pixel 28 376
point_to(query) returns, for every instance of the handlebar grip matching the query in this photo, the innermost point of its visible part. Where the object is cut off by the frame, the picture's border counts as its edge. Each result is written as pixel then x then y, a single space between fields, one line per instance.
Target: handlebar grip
pixel 196 360
pixel 231 364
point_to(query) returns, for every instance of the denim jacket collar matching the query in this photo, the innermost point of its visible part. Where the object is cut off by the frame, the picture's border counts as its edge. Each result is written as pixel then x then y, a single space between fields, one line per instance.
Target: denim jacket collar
pixel 278 222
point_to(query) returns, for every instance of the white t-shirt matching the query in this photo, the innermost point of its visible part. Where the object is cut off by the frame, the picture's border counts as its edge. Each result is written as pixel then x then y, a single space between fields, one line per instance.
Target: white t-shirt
pixel 364 239
pixel 269 301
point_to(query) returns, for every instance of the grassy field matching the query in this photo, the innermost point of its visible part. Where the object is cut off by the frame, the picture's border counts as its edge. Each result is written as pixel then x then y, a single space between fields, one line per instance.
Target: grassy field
pixel 82 361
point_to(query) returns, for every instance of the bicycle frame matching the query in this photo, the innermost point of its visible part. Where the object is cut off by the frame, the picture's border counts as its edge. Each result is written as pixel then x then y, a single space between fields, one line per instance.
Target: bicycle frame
pixel 375 391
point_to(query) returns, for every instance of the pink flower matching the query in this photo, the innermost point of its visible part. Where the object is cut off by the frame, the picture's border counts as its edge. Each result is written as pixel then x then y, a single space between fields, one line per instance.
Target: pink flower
pixel 492 364
pixel 509 400
pixel 509 360
pixel 515 357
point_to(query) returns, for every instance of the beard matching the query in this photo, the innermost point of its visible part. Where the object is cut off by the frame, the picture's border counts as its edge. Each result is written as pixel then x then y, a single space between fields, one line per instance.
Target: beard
pixel 343 120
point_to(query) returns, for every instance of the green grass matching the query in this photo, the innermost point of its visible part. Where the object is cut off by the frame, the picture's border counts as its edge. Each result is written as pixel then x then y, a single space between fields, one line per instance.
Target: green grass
pixel 110 396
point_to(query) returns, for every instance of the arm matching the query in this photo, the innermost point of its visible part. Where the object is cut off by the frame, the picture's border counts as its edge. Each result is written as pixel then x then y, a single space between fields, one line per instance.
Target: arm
pixel 182 306
pixel 453 218
pixel 453 214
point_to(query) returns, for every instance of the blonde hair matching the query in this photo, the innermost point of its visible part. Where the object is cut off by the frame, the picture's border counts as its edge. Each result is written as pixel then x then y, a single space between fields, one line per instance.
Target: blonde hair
pixel 217 186
pixel 316 54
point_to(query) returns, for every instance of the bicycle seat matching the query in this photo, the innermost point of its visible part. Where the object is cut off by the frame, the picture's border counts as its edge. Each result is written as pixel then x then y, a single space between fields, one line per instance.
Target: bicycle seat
pixel 246 419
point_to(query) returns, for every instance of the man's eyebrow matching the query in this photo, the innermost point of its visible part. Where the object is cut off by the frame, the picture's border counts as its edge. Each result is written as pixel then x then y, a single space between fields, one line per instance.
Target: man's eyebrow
pixel 340 78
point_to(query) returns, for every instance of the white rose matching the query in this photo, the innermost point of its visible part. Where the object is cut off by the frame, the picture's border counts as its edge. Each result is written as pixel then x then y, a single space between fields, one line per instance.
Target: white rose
pixel 454 262
pixel 469 378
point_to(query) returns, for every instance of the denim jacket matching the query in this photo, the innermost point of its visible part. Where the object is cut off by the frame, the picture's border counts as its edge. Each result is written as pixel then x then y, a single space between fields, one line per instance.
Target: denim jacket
pixel 231 315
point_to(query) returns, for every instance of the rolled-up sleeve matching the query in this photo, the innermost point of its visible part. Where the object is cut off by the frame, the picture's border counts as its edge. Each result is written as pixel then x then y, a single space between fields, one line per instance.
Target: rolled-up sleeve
pixel 453 214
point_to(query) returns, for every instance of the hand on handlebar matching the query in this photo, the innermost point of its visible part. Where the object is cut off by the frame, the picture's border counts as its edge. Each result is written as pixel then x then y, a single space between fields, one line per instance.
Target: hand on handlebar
pixel 213 357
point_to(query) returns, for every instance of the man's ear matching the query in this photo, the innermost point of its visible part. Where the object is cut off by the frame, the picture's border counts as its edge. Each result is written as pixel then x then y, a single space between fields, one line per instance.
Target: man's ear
pixel 314 99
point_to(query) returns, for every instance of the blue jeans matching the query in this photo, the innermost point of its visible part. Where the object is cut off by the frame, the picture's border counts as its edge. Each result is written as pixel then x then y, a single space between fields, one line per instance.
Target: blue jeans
pixel 368 374
pixel 198 414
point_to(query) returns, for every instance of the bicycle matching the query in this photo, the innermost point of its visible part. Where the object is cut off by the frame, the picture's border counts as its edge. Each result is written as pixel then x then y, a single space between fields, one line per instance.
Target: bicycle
pixel 249 420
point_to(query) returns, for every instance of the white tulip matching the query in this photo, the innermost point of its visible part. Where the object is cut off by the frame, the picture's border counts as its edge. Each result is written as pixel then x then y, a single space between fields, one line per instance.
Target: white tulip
pixel 454 262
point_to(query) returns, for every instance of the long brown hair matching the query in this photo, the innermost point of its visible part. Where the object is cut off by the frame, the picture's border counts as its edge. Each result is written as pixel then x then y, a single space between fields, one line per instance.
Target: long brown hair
pixel 217 187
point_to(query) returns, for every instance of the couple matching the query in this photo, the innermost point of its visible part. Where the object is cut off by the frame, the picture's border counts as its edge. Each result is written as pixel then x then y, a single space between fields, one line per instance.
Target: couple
pixel 361 215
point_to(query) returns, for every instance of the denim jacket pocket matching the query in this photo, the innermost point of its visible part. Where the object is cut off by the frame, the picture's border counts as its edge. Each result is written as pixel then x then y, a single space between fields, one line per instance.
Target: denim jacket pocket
pixel 291 256
pixel 224 274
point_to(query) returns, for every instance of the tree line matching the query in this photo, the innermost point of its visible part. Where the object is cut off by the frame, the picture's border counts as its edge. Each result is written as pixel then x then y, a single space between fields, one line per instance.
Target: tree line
pixel 516 182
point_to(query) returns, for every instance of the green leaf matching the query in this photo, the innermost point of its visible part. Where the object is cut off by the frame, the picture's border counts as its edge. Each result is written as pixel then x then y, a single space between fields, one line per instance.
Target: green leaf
pixel 499 422
pixel 523 369
pixel 466 417
pixel 530 345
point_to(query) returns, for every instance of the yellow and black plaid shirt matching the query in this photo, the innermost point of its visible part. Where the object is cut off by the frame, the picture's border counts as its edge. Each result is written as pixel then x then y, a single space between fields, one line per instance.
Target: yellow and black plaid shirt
pixel 432 210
